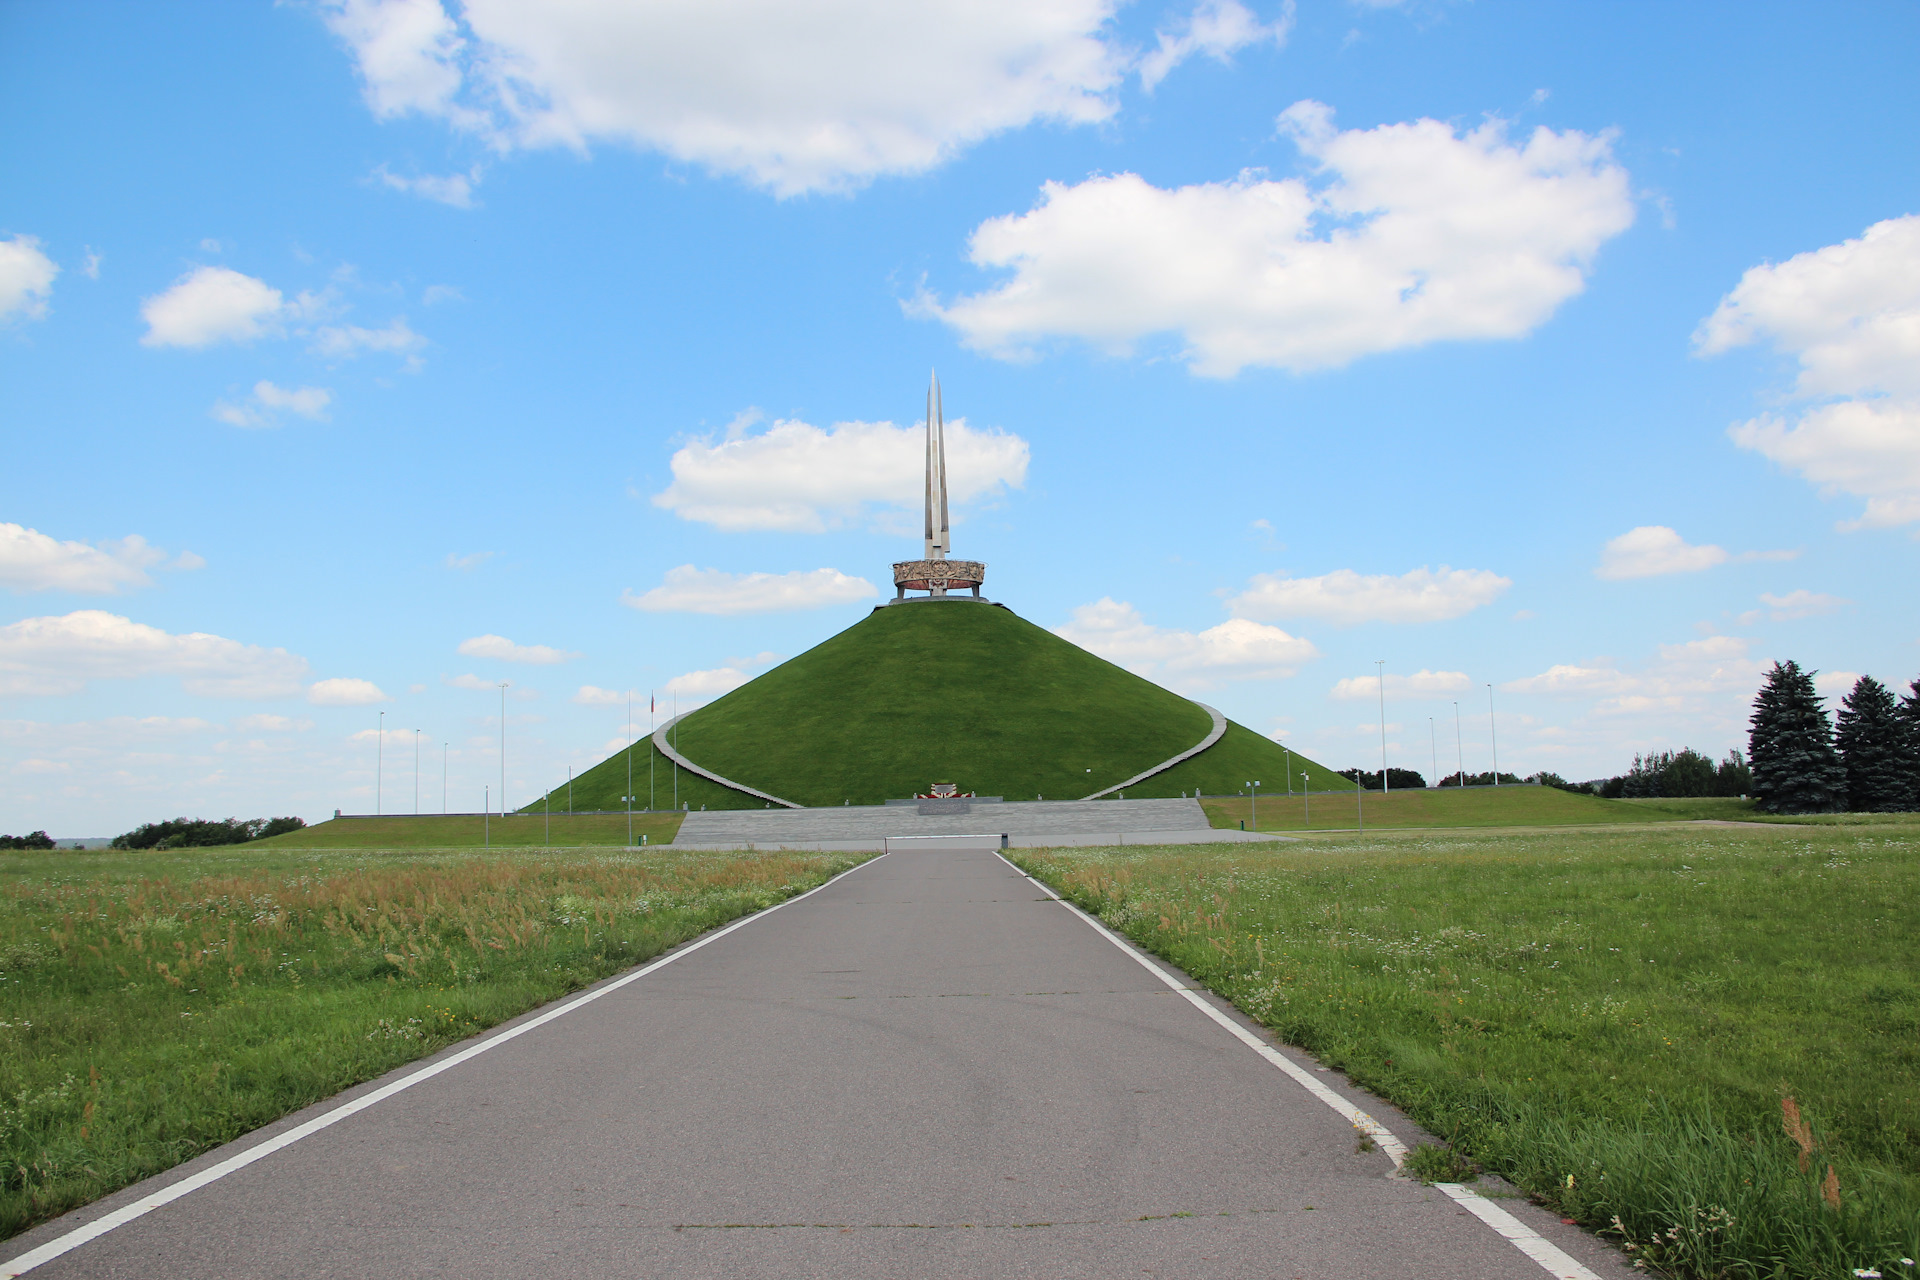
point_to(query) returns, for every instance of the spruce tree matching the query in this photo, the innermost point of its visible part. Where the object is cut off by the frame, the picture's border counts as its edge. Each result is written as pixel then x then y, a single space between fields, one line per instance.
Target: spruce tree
pixel 1871 736
pixel 1790 748
pixel 1910 727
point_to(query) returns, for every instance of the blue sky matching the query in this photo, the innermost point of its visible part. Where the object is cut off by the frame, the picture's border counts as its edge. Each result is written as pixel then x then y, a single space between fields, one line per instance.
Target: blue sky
pixel 356 357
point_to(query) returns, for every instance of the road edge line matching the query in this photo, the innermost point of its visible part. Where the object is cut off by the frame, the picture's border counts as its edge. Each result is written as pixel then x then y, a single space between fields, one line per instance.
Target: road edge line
pixel 64 1244
pixel 1522 1237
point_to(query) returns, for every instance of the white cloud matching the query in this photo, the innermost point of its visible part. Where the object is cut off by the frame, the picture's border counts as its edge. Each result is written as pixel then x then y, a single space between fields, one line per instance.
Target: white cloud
pixel 1421 684
pixel 209 305
pixel 1868 448
pixel 91 266
pixel 261 409
pixel 269 724
pixel 468 563
pixel 706 684
pixel 347 341
pixel 798 478
pixel 1684 678
pixel 1835 684
pixel 59 655
pixel 26 278
pixel 593 696
pixel 492 646
pixel 1216 28
pixel 690 590
pixel 1235 650
pixel 1417 234
pixel 345 691
pixel 1346 597
pixel 471 681
pixel 1801 604
pixel 1849 313
pixel 435 294
pixel 33 561
pixel 792 97
pixel 1654 549
pixel 455 189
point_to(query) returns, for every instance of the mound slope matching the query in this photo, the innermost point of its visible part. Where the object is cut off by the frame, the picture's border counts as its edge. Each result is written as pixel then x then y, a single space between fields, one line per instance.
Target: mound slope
pixel 953 692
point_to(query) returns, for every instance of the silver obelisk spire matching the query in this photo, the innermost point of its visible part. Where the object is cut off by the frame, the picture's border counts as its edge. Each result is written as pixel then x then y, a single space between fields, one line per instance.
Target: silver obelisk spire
pixel 939 540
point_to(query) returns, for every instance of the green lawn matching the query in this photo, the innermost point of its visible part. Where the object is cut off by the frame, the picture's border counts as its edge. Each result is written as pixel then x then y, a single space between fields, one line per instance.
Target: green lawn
pixel 961 693
pixel 156 1005
pixel 1459 807
pixel 464 831
pixel 1610 1018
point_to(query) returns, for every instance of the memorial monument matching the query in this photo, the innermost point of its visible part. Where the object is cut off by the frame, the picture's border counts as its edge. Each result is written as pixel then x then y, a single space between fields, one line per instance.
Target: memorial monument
pixel 935 574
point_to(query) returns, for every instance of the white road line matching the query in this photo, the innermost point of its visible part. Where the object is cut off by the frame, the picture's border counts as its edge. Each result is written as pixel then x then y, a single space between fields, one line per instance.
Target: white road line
pixel 1524 1238
pixel 213 1173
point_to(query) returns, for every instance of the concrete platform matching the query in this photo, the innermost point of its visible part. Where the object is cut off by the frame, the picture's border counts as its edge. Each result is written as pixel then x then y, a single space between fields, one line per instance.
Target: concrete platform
pixel 1027 824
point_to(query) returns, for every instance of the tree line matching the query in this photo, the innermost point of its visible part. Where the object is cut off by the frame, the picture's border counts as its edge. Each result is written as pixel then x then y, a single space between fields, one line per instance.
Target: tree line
pixel 1866 759
pixel 201 833
pixel 35 840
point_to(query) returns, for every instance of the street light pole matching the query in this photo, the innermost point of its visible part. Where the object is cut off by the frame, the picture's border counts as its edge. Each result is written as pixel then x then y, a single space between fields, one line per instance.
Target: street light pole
pixel 379 760
pixel 503 748
pixel 416 773
pixel 1459 752
pixel 1306 794
pixel 1253 802
pixel 1381 664
pixel 1493 734
pixel 1289 752
pixel 628 798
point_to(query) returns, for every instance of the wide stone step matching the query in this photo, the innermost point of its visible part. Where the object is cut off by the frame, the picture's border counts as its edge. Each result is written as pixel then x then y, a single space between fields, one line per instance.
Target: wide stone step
pixel 876 822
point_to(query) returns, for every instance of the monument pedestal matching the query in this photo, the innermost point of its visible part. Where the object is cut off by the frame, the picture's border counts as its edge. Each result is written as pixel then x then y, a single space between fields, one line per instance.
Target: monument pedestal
pixel 937 578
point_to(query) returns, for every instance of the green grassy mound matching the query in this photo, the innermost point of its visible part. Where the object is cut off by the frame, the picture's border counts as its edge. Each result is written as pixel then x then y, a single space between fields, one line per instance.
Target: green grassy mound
pixel 960 693
pixel 467 831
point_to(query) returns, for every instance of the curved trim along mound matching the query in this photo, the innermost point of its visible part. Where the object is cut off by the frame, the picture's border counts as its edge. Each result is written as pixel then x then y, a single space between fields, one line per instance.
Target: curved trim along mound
pixel 1213 735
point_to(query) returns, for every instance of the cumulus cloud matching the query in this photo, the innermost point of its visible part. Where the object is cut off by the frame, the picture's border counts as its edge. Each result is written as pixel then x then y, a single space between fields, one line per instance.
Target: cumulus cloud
pixel 262 408
pixel 1801 604
pixel 1235 650
pixel 209 305
pixel 26 278
pixel 470 681
pixel 1215 28
pixel 706 684
pixel 59 655
pixel 1654 549
pixel 344 342
pixel 33 561
pixel 1849 314
pixel 691 590
pixel 269 724
pixel 1680 679
pixel 798 478
pixel 1409 234
pixel 455 189
pixel 492 646
pixel 469 562
pixel 792 98
pixel 1421 684
pixel 1346 597
pixel 345 691
pixel 593 696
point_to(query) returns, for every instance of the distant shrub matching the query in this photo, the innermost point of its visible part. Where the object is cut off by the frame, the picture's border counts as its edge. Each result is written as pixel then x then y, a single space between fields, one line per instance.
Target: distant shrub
pixel 36 840
pixel 201 833
pixel 1398 779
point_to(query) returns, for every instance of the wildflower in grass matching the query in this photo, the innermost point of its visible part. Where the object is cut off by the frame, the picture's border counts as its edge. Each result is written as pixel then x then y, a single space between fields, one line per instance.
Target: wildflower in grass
pixel 1866 1273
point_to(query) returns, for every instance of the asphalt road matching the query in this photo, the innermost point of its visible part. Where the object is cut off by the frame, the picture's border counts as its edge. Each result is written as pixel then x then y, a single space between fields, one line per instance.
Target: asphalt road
pixel 926 1069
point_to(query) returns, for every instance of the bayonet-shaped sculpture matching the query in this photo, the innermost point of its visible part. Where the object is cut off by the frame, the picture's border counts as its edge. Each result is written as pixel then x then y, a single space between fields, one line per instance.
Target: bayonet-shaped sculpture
pixel 936 574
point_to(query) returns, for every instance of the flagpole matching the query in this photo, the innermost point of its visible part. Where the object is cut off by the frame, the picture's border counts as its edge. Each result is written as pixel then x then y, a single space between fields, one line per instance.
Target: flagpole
pixel 651 753
pixel 628 797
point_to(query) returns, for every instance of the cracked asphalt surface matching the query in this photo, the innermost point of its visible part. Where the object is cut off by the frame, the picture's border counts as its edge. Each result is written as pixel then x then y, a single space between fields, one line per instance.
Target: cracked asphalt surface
pixel 925 1069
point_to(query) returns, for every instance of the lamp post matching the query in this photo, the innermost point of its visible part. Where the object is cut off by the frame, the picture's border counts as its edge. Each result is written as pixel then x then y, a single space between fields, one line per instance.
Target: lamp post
pixel 503 748
pixel 1459 752
pixel 379 760
pixel 628 798
pixel 1289 752
pixel 1253 802
pixel 569 791
pixel 1381 665
pixel 1493 735
pixel 416 773
pixel 1306 794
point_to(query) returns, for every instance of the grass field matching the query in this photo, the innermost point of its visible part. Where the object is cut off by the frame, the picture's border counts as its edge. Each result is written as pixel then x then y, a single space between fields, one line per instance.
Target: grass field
pixel 958 693
pixel 1459 807
pixel 464 831
pixel 156 1005
pixel 1610 1018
